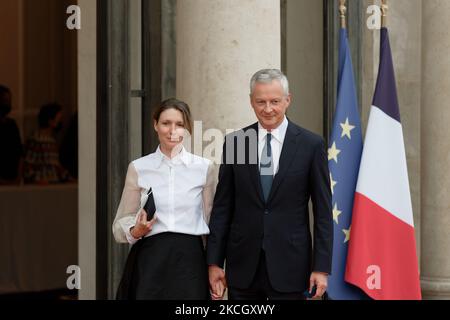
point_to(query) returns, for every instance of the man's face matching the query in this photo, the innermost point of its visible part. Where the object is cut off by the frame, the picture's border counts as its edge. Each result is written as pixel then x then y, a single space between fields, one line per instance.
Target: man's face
pixel 270 104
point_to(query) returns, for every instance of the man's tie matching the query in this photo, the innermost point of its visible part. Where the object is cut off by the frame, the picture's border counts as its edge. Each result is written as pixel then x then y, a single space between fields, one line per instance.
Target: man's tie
pixel 266 167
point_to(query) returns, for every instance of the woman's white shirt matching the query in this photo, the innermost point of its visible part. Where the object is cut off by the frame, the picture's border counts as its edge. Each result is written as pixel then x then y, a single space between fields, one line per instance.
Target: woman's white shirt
pixel 183 190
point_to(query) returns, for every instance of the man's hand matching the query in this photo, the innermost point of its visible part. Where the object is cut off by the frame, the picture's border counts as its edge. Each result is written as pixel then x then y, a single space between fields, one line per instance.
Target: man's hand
pixel 319 279
pixel 217 282
pixel 142 226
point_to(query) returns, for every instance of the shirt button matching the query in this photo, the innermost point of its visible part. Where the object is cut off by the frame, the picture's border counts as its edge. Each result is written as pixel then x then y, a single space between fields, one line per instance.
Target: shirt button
pixel 266 211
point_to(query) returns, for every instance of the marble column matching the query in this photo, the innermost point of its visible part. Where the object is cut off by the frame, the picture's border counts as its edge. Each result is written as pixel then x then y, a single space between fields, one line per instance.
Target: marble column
pixel 220 45
pixel 435 241
pixel 87 109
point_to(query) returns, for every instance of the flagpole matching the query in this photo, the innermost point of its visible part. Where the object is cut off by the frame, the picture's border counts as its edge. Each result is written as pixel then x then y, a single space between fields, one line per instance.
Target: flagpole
pixel 343 11
pixel 384 10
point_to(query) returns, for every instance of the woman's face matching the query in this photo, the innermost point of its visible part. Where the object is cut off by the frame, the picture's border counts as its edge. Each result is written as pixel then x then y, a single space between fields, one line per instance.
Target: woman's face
pixel 170 128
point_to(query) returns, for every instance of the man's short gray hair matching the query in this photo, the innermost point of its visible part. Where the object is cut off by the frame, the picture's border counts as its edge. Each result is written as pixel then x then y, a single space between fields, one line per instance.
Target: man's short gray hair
pixel 267 76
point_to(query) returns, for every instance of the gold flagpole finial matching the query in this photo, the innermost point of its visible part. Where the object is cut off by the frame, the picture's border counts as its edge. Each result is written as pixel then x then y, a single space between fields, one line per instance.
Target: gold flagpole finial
pixel 384 10
pixel 343 11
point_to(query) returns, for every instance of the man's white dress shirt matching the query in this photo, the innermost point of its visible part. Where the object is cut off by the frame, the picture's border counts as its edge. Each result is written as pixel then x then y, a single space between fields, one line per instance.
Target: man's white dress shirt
pixel 276 143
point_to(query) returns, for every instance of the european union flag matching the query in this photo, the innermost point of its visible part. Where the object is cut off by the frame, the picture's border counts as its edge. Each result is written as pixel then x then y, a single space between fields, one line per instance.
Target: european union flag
pixel 344 156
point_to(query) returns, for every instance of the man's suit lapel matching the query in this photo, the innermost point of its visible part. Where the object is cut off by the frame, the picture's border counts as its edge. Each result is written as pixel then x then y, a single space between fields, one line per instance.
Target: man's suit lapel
pixel 288 152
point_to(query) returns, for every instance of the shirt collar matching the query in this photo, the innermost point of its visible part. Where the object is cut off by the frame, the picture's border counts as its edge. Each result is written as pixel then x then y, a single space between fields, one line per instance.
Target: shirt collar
pixel 278 133
pixel 183 157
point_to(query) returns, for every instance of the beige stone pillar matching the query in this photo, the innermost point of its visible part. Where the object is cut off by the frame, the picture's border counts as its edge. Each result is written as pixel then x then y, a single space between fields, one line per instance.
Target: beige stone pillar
pixel 87 108
pixel 220 45
pixel 435 150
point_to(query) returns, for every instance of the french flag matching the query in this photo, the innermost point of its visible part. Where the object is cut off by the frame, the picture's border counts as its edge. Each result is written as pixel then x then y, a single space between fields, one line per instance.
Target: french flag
pixel 382 258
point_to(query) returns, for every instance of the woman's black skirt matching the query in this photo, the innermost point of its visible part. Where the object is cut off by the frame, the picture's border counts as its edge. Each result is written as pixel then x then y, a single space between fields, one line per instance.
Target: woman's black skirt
pixel 166 266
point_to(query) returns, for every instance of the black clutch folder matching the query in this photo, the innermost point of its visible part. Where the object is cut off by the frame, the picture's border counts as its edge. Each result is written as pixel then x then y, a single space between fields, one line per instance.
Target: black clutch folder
pixel 149 206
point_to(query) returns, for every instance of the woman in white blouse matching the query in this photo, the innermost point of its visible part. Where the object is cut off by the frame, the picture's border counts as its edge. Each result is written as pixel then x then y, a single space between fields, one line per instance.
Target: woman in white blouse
pixel 168 262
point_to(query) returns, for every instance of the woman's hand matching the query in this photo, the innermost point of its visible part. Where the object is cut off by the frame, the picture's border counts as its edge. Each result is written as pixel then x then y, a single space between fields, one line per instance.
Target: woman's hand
pixel 217 282
pixel 142 226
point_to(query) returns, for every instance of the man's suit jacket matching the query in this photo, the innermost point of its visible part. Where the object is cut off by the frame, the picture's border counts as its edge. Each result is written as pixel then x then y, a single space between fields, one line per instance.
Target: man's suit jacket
pixel 241 220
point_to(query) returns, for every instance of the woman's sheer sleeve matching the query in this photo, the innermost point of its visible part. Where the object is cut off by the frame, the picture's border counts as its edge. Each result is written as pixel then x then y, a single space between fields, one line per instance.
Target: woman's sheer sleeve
pixel 128 208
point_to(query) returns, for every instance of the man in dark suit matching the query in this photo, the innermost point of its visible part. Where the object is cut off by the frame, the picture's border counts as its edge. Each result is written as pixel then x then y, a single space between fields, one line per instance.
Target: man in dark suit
pixel 260 219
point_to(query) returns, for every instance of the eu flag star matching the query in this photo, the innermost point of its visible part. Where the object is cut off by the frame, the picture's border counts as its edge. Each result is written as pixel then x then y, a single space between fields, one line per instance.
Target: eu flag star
pixel 346 129
pixel 336 213
pixel 347 234
pixel 333 183
pixel 333 153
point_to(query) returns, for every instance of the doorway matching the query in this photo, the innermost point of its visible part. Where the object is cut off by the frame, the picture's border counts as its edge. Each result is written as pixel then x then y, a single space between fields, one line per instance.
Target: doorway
pixel 136 70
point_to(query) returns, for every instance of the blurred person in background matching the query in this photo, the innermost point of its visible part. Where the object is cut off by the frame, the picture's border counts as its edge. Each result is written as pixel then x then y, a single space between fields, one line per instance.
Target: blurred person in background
pixel 10 142
pixel 41 162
